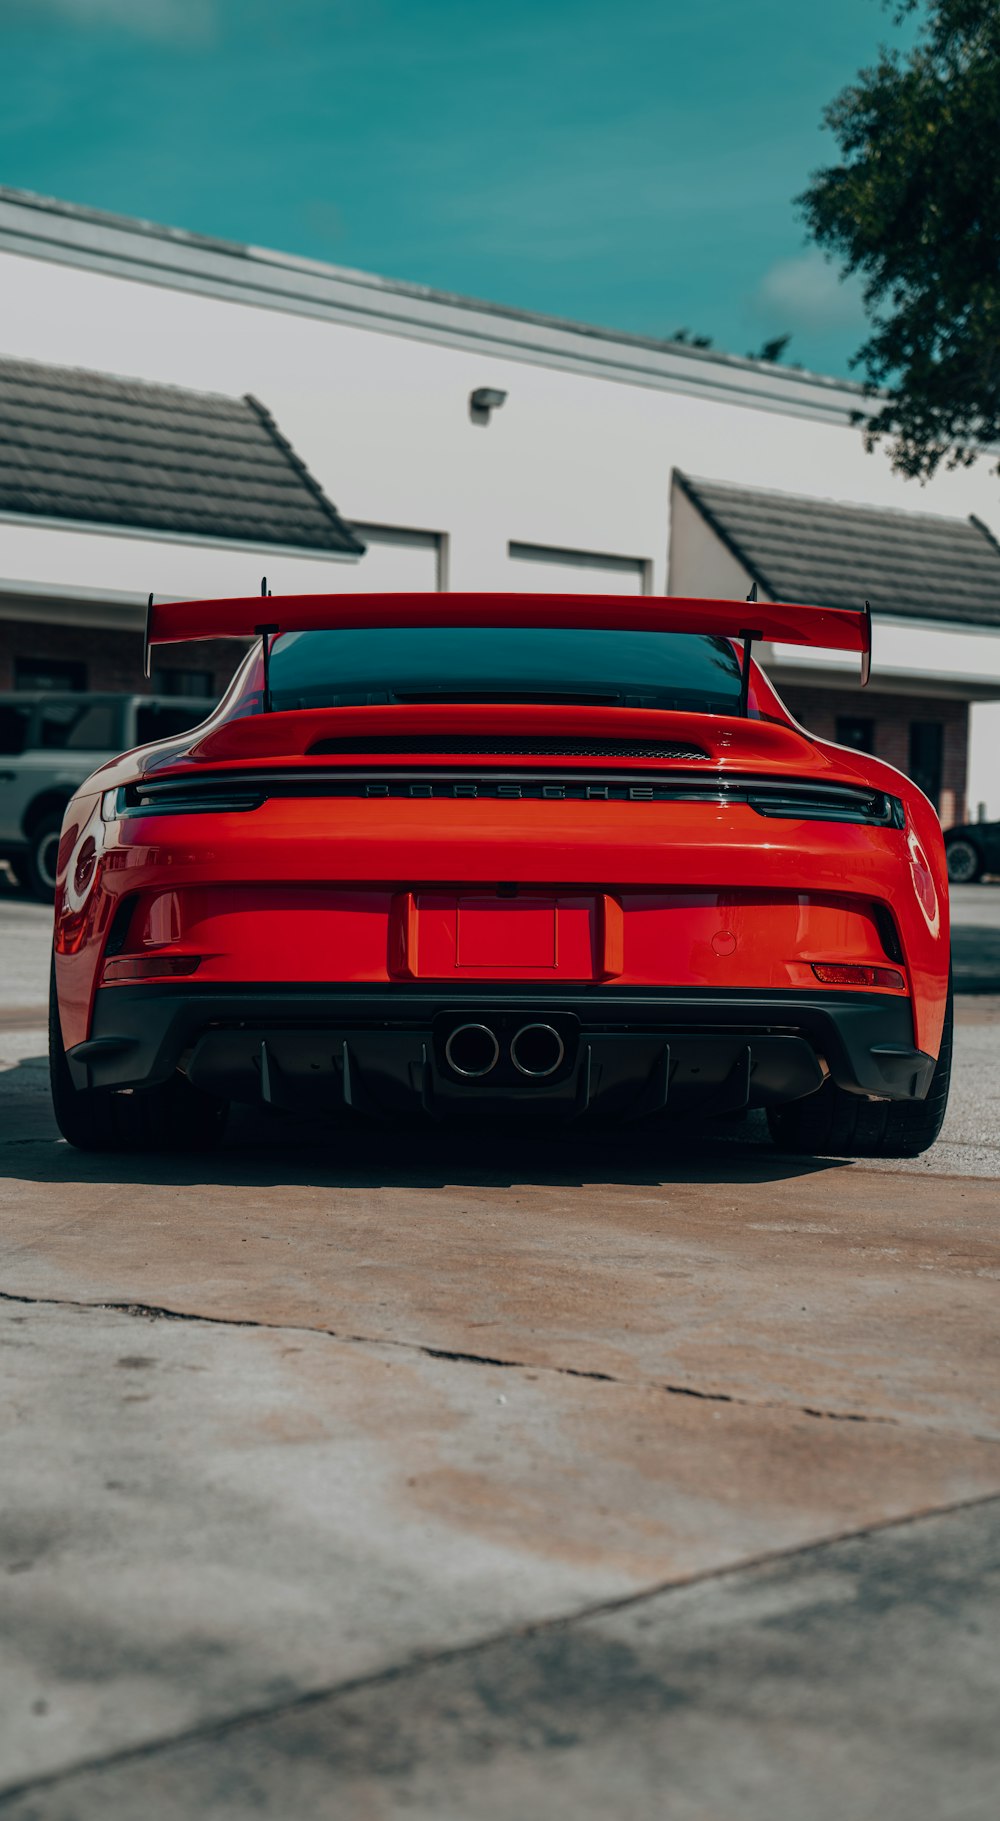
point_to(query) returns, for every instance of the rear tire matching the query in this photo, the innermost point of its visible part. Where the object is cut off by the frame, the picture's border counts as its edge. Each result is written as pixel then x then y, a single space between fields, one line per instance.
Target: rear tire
pixel 964 861
pixel 833 1123
pixel 38 866
pixel 172 1116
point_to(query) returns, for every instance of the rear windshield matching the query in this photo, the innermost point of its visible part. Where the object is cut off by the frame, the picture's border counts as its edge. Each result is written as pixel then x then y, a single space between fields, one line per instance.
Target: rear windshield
pixel 504 664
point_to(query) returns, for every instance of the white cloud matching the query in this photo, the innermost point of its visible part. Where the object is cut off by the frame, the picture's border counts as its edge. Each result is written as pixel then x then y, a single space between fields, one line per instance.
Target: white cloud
pixel 168 21
pixel 805 294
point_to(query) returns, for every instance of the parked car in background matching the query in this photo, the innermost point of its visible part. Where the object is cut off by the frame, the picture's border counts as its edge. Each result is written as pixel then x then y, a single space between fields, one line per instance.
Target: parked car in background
pixel 972 849
pixel 49 744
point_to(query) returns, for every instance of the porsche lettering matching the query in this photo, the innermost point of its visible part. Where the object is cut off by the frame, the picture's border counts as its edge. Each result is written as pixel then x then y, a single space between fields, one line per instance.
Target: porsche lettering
pixel 555 793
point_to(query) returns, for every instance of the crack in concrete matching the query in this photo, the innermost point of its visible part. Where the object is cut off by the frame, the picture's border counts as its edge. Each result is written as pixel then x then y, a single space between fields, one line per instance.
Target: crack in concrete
pixel 157 1312
pixel 208 1730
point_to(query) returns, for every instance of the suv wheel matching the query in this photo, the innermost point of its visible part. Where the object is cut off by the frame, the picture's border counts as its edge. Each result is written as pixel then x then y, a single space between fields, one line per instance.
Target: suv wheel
pixel 172 1116
pixel 40 860
pixel 964 861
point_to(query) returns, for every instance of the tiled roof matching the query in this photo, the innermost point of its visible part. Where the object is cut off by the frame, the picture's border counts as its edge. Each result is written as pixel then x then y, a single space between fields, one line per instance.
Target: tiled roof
pixel 80 445
pixel 906 563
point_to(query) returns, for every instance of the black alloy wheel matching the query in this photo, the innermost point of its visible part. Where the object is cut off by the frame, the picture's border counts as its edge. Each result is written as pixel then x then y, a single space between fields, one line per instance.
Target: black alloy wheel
pixel 965 862
pixel 39 864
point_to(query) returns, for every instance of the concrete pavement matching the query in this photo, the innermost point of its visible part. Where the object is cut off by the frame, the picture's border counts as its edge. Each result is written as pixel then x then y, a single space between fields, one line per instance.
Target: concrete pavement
pixel 857 1679
pixel 464 1478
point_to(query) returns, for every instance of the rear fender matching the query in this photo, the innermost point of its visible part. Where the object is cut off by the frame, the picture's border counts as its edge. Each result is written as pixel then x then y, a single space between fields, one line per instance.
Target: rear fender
pixel 83 912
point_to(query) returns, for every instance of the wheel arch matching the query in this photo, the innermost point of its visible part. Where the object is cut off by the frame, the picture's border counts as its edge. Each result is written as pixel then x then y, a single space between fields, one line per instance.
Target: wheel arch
pixel 51 802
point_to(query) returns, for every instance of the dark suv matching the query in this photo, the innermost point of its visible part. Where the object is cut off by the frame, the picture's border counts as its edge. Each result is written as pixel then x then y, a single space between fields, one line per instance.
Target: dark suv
pixel 972 849
pixel 48 744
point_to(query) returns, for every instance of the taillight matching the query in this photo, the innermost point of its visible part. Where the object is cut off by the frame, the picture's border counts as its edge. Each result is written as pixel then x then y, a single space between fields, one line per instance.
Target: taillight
pixel 841 973
pixel 828 803
pixel 146 967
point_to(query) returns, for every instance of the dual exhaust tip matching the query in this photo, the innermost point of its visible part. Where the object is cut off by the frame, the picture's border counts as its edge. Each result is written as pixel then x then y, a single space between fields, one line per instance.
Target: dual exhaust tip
pixel 473 1050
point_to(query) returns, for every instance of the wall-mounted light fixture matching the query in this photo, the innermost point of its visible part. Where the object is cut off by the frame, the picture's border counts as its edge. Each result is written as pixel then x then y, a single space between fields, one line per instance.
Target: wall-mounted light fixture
pixel 484 400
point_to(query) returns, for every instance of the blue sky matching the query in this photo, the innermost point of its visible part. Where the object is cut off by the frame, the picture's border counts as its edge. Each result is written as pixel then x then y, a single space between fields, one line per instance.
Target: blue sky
pixel 630 163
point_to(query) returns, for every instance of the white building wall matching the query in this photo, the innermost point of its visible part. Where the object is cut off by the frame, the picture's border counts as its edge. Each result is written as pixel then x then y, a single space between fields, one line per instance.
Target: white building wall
pixel 53 555
pixel 570 461
pixel 700 563
pixel 906 652
pixel 984 759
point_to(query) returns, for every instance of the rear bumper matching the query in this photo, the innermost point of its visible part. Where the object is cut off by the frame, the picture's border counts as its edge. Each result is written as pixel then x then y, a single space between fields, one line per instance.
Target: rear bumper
pixel 382 1049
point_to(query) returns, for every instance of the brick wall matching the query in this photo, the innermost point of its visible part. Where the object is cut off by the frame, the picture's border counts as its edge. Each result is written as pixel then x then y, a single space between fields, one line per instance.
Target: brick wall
pixel 893 715
pixel 111 659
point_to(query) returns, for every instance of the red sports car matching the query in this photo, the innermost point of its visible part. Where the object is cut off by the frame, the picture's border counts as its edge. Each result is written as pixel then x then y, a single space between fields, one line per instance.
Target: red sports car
pixel 465 854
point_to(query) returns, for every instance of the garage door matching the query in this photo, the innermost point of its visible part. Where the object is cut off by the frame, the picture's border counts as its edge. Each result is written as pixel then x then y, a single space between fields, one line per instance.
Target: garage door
pixel 543 569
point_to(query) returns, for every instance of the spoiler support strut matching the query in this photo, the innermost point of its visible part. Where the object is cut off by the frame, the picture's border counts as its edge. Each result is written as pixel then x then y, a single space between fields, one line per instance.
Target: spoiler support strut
pixel 747 635
pixel 866 648
pixel 266 633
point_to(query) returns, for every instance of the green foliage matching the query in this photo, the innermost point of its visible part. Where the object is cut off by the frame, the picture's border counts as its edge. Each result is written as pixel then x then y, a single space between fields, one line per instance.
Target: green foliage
pixel 914 208
pixel 772 350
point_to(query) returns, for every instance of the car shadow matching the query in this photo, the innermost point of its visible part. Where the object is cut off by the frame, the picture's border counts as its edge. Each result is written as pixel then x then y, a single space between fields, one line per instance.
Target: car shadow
pixel 263 1149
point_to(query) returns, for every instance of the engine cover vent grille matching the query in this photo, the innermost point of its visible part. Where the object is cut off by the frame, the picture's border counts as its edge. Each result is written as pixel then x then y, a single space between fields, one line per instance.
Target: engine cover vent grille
pixel 527 749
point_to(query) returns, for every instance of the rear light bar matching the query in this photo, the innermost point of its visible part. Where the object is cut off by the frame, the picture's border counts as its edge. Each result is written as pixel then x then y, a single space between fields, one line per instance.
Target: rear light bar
pixel 842 973
pixel 231 793
pixel 842 804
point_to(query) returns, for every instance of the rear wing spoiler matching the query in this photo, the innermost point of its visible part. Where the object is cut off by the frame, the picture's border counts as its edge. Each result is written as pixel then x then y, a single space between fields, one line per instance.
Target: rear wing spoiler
pixel 262 616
